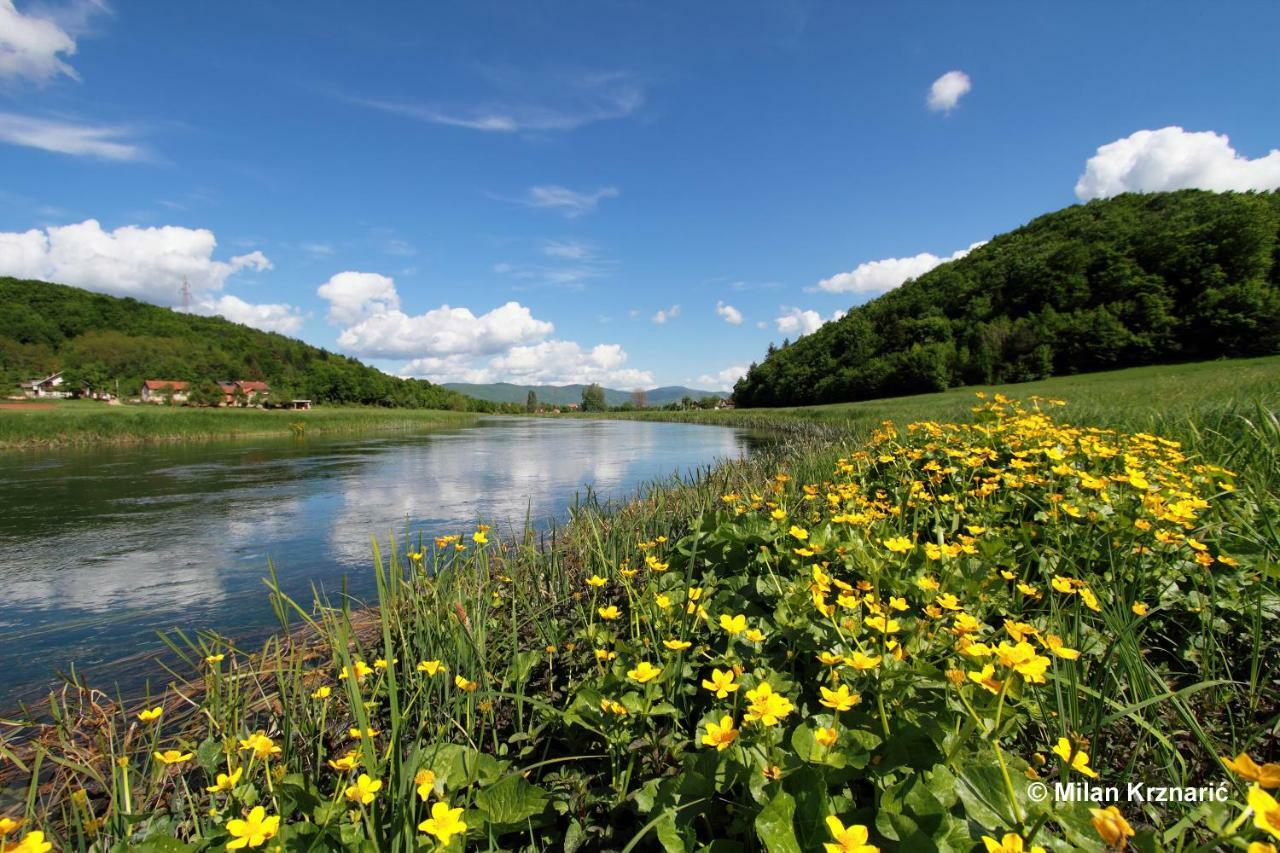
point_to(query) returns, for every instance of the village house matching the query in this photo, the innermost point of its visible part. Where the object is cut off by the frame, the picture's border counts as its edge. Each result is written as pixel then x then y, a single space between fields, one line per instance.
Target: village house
pixel 49 386
pixel 164 391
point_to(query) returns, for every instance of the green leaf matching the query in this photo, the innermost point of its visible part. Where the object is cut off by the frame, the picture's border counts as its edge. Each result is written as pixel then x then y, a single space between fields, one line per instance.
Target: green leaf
pixel 513 800
pixel 775 824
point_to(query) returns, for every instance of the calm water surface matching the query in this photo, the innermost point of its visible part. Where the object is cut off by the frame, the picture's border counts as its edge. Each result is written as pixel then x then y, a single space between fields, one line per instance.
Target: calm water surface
pixel 102 548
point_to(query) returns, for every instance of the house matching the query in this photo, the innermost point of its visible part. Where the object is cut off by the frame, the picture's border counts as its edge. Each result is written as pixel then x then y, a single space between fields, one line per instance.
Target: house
pixel 164 390
pixel 247 392
pixel 49 386
pixel 299 405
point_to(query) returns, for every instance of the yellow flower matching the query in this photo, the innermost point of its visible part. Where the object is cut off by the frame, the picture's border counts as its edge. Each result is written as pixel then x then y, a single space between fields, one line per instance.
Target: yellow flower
pixel 363 790
pixel 609 613
pixel 799 532
pixel 604 655
pixel 254 830
pixel 896 603
pixel 721 683
pixel 465 684
pixel 355 734
pixel 1111 826
pixel 1260 847
pixel 362 669
pixel 1266 811
pixel 346 763
pixel 754 635
pixel 829 658
pixel 733 625
pixel 8 824
pixel 663 601
pixel 1054 644
pixel 986 678
pixel 431 667
pixel 897 544
pixel 848 839
pixel 1266 775
pixel 948 601
pixel 644 672
pixel 1022 659
pixel 766 706
pixel 677 645
pixel 426 782
pixel 1139 609
pixel 214 658
pixel 173 756
pixel 32 842
pixel 444 823
pixel 1077 759
pixel 1090 600
pixel 841 699
pixel 927 583
pixel 225 782
pixel 261 745
pixel 150 715
pixel 479 538
pixel 884 626
pixel 720 735
pixel 321 692
pixel 1063 584
pixel 596 581
pixel 862 661
pixel 1011 843
pixel 778 514
pixel 825 736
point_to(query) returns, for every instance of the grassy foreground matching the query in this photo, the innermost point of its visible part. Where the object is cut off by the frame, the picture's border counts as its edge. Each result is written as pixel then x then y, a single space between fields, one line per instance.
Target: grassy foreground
pixel 882 636
pixel 81 422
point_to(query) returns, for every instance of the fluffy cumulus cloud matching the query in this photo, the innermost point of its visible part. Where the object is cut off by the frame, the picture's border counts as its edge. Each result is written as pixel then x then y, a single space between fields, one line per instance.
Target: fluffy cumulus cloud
pixel 723 380
pixel 443 331
pixel 800 322
pixel 33 47
pixel 947 90
pixel 354 296
pixel 729 314
pixel 552 362
pixel 872 277
pixel 1172 159
pixel 663 315
pixel 152 264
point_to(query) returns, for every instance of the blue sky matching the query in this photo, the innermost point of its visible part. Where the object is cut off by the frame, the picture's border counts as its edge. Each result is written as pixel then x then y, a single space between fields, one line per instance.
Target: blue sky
pixel 557 174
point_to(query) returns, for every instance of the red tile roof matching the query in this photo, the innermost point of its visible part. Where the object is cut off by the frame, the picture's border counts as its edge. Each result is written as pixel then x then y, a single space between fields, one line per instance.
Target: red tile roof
pixel 162 384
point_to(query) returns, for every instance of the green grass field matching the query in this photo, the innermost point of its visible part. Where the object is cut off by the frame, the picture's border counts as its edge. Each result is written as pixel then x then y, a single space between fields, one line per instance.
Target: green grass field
pixel 79 422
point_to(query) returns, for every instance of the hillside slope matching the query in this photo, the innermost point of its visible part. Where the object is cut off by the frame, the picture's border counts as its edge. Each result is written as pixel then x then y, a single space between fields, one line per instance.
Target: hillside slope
pixel 1133 280
pixel 104 339
pixel 561 395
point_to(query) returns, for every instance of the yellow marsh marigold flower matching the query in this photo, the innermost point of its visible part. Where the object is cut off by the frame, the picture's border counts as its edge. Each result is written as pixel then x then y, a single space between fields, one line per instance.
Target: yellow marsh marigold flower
pixel 173 756
pixel 32 842
pixel 1139 609
pixel 321 692
pixel 677 645
pixel 948 601
pixel 1111 826
pixel 262 746
pixel 604 655
pixel 829 658
pixel 721 683
pixel 1078 760
pixel 840 699
pixel 766 706
pixel 362 669
pixel 825 736
pixel 1022 659
pixel 479 537
pixel 363 790
pixel 799 532
pixel 644 672
pixel 733 625
pixel 444 823
pixel 1090 600
pixel 211 659
pixel 8 824
pixel 848 839
pixel 609 706
pixel 896 603
pixel 355 734
pixel 1266 811
pixel 720 735
pixel 1011 843
pixel 1053 643
pixel 426 782
pixel 609 613
pixel 986 678
pixel 465 684
pixel 884 626
pixel 1266 775
pixel 225 782
pixel 253 831
pixel 778 514
pixel 754 635
pixel 1063 584
pixel 927 583
pixel 862 661
pixel 150 715
pixel 596 581
pixel 897 544
pixel 662 600
pixel 346 763
pixel 431 667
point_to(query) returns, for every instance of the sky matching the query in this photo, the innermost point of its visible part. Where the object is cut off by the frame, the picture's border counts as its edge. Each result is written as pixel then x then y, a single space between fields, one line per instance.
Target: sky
pixel 631 193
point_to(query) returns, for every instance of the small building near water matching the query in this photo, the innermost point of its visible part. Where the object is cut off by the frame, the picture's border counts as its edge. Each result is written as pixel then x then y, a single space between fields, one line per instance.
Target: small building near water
pixel 49 386
pixel 164 391
pixel 297 405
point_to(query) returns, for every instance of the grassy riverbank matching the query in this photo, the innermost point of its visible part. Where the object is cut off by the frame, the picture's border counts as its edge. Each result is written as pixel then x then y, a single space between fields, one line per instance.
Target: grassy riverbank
pixel 866 630
pixel 82 422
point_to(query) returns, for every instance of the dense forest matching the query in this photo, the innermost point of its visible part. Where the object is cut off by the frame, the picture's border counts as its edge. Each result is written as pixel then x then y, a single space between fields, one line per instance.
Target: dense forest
pixel 1132 280
pixel 99 340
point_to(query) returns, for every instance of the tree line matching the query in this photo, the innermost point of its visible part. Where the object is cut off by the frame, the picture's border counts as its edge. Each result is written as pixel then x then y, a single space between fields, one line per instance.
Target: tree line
pixel 1133 280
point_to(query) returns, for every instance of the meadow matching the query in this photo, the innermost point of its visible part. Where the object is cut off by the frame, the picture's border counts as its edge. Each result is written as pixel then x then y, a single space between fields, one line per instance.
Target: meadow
pixel 886 630
pixel 83 422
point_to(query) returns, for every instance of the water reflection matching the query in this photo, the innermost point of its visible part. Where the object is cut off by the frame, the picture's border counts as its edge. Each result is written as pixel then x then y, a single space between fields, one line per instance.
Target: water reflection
pixel 99 549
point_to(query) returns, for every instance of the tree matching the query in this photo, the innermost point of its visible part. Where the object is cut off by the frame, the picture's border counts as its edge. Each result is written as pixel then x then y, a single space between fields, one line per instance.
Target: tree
pixel 531 402
pixel 204 392
pixel 639 398
pixel 593 399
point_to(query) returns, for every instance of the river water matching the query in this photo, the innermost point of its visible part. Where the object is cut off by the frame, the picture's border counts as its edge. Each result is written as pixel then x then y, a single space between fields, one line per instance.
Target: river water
pixel 102 548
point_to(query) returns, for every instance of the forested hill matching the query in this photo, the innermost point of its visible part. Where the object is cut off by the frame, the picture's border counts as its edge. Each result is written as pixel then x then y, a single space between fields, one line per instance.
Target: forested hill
pixel 101 339
pixel 1132 280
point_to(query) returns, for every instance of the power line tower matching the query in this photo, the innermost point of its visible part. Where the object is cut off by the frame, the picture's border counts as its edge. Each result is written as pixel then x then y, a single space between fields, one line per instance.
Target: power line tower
pixel 186 296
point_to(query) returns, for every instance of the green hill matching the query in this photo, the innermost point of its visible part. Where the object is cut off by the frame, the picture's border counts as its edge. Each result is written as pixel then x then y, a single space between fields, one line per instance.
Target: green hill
pixel 562 395
pixel 103 340
pixel 1127 281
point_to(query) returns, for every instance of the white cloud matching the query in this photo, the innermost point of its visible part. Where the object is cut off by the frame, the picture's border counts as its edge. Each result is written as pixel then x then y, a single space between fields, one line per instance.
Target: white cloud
pixel 317 249
pixel 31 46
pixel 872 277
pixel 552 362
pixel 65 137
pixel 1171 159
pixel 722 380
pixel 665 314
pixel 443 331
pixel 275 317
pixel 947 90
pixel 731 315
pixel 794 321
pixel 567 250
pixel 569 202
pixel 354 296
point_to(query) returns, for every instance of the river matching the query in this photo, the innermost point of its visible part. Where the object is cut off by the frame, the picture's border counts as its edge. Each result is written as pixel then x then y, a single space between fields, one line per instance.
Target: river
pixel 102 548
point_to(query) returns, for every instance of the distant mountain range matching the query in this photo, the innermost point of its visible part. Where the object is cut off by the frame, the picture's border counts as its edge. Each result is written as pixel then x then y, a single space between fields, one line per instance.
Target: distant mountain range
pixel 560 395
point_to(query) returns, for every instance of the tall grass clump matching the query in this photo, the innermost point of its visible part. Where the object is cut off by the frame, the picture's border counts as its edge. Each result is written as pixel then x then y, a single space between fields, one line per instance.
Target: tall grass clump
pixel 895 638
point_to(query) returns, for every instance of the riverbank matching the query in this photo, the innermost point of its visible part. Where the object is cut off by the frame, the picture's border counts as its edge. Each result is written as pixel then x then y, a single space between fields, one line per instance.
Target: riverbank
pixel 67 423
pixel 900 629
